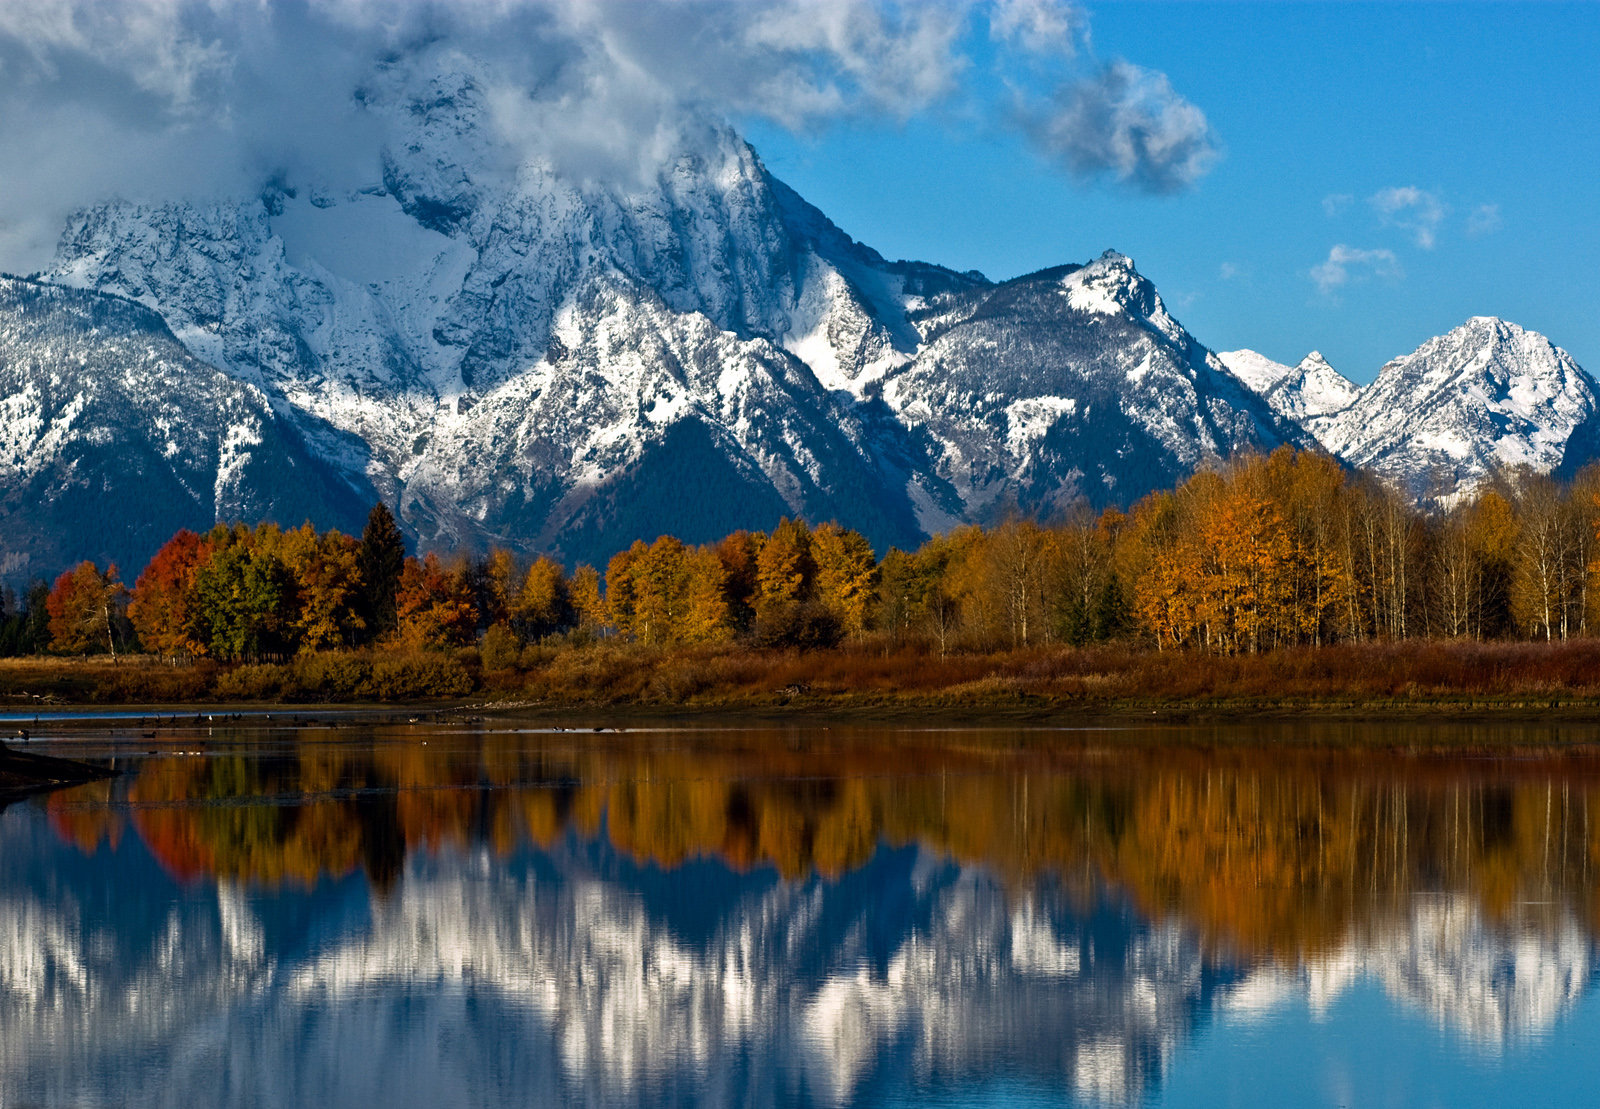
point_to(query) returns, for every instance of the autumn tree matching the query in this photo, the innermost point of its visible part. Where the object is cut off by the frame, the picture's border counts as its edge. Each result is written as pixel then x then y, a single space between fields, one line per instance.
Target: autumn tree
pixel 159 608
pixel 914 600
pixel 846 576
pixel 788 611
pixel 542 605
pixel 436 605
pixel 659 581
pixel 620 593
pixel 330 592
pixel 705 615
pixel 501 578
pixel 1019 556
pixel 785 574
pixel 588 606
pixel 85 606
pixel 903 584
pixel 739 553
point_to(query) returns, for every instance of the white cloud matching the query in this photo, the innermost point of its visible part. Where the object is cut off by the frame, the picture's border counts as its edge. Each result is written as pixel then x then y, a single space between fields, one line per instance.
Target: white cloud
pixel 1484 220
pixel 157 97
pixel 1412 210
pixel 1040 26
pixel 1127 123
pixel 1228 271
pixel 1347 264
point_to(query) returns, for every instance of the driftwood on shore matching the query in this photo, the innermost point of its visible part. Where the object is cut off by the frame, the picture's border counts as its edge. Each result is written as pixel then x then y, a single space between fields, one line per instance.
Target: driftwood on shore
pixel 23 771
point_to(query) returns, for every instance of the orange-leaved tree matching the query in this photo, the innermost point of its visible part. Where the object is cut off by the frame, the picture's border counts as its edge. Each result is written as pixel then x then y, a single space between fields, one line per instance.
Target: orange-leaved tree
pixel 84 607
pixel 847 576
pixel 327 573
pixel 436 605
pixel 543 604
pixel 160 606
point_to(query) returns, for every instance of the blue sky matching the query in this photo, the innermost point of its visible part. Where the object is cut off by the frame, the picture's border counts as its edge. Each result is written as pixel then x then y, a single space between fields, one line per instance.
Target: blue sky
pixel 1451 150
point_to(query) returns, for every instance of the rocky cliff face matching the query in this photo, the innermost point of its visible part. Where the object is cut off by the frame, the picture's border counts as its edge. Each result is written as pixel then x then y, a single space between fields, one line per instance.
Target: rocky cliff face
pixel 113 436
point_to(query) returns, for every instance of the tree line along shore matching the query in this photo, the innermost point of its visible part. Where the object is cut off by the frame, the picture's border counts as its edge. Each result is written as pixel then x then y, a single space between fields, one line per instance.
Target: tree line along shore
pixel 1271 577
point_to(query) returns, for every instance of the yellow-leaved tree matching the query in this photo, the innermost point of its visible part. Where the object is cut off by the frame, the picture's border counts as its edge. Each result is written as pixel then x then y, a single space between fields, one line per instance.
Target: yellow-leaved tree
pixel 847 576
pixel 326 569
pixel 543 604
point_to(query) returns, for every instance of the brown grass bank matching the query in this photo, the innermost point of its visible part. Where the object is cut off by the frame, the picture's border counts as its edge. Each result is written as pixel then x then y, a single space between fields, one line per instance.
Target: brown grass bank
pixel 1416 675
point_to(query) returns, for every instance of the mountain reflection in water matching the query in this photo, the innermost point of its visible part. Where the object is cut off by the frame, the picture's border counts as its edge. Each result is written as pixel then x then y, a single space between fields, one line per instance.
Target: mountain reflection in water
pixel 766 917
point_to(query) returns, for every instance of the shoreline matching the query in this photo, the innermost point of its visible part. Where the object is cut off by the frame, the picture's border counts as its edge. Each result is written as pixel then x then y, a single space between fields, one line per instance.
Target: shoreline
pixel 24 772
pixel 894 711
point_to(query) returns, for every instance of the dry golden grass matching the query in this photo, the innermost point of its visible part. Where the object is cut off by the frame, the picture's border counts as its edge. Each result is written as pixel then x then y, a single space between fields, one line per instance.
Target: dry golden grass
pixel 617 673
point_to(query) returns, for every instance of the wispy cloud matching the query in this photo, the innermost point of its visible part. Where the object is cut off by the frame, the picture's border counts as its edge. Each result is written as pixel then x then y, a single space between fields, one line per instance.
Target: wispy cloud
pixel 1347 264
pixel 1413 210
pixel 1484 220
pixel 1335 203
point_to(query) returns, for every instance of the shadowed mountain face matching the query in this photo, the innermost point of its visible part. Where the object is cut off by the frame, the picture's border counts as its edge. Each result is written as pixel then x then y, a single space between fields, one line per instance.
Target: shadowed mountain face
pixel 113 436
pixel 733 919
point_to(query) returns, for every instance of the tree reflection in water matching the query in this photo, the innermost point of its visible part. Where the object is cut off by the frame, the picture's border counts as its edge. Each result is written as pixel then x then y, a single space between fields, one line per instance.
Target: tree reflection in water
pixel 806 917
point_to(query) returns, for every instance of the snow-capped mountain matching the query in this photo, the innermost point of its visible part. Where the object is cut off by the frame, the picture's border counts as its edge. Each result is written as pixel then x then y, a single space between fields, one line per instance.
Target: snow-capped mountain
pixel 514 355
pixel 113 436
pixel 1070 384
pixel 1487 396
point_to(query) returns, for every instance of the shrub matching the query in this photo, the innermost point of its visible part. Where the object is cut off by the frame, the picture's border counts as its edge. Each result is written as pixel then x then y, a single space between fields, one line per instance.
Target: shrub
pixel 154 684
pixel 809 627
pixel 333 676
pixel 419 675
pixel 259 682
pixel 499 649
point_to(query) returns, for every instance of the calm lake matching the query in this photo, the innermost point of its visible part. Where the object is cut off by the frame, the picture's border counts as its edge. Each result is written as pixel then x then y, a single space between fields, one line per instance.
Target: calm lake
pixel 343 913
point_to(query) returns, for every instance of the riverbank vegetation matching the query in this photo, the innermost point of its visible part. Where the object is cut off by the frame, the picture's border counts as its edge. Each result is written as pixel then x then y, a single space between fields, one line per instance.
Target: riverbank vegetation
pixel 1282 576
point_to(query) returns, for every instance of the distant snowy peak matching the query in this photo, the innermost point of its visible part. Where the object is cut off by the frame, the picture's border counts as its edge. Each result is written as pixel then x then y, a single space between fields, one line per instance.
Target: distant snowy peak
pixel 1306 394
pixel 1486 396
pixel 1312 391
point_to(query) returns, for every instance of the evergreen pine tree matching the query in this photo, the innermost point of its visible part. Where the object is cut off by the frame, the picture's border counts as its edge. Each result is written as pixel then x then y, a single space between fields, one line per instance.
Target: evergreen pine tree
pixel 383 556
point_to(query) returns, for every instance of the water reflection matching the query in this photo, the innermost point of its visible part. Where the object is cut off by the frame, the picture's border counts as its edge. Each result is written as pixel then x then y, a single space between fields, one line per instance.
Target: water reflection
pixel 762 917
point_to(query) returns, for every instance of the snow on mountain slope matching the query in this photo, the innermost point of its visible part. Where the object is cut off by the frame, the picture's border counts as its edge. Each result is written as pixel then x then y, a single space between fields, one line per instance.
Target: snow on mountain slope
pixel 1072 383
pixel 113 436
pixel 1487 395
pixel 1254 369
pixel 1312 392
pixel 514 355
